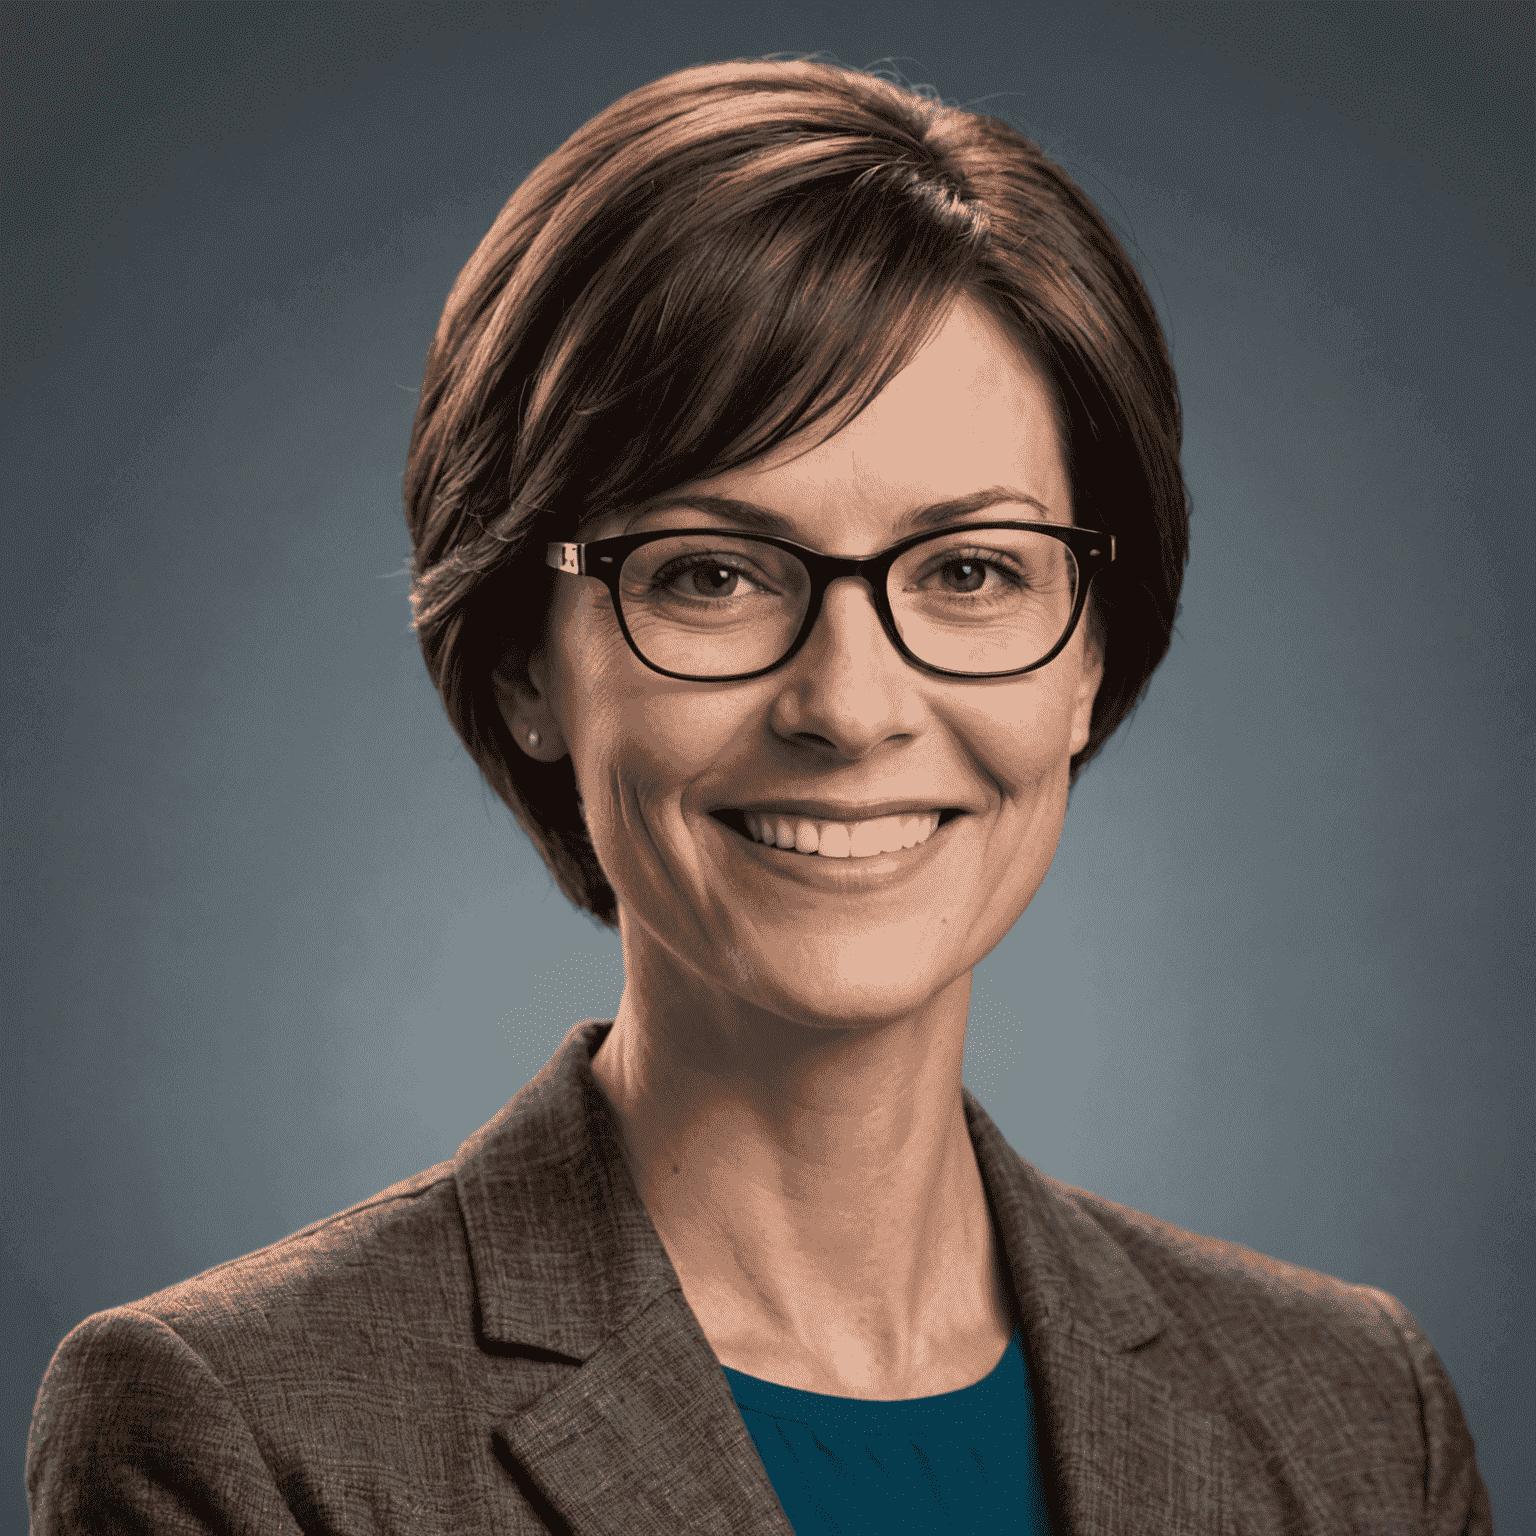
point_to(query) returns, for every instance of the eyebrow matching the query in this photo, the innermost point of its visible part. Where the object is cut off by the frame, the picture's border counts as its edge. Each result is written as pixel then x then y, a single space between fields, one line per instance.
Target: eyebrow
pixel 748 515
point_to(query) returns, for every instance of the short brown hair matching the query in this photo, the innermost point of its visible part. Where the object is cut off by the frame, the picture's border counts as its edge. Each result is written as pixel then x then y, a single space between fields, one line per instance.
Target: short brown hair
pixel 723 258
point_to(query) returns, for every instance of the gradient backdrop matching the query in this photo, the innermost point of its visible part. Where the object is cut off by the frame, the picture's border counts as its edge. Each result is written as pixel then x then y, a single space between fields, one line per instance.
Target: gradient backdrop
pixel 269 943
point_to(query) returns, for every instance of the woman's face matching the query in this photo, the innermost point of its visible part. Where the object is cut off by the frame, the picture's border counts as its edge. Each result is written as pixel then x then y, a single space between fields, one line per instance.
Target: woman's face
pixel 844 731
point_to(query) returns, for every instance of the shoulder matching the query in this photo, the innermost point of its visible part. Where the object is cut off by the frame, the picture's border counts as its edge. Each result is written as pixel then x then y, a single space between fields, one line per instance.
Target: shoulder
pixel 297 1294
pixel 201 1391
pixel 1245 1305
pixel 1212 1284
pixel 1317 1372
pixel 398 1251
pixel 400 1243
pixel 1131 1274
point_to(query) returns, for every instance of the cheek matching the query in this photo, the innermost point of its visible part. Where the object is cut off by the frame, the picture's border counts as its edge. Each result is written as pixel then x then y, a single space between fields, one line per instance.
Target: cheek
pixel 637 739
pixel 1019 732
pixel 1021 744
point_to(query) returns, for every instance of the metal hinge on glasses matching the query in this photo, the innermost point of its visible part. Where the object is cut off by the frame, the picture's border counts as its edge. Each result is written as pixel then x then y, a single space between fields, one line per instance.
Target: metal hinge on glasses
pixel 564 557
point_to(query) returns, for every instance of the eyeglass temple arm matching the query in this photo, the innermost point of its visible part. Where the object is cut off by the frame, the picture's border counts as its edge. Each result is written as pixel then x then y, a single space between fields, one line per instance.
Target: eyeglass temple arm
pixel 572 558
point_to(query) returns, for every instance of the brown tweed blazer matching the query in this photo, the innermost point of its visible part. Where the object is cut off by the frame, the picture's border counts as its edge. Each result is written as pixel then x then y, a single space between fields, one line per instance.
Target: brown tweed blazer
pixel 500 1345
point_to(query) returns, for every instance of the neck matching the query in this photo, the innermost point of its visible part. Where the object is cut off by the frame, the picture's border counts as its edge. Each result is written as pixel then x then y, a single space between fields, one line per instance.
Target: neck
pixel 812 1181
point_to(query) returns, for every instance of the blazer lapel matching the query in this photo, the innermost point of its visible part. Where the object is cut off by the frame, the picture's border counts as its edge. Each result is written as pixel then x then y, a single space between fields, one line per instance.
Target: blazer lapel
pixel 1125 1454
pixel 1125 1458
pixel 646 1439
pixel 642 1437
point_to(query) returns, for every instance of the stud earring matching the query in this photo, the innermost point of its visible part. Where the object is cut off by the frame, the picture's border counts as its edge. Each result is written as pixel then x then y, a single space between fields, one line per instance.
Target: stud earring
pixel 533 738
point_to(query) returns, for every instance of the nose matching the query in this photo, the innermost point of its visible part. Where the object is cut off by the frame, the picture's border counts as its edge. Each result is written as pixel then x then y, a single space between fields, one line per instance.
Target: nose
pixel 849 689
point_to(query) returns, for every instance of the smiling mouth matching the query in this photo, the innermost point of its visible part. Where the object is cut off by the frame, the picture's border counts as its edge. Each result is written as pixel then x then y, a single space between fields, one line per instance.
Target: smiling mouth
pixel 836 839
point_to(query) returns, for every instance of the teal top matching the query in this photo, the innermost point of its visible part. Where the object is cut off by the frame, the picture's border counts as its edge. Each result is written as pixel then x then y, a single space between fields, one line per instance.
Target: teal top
pixel 959 1461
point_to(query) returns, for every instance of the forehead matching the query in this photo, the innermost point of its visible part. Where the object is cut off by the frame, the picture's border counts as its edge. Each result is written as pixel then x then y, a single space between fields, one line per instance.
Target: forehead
pixel 970 410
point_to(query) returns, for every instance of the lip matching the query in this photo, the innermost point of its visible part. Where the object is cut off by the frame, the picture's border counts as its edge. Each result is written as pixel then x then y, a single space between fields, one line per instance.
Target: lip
pixel 838 810
pixel 878 872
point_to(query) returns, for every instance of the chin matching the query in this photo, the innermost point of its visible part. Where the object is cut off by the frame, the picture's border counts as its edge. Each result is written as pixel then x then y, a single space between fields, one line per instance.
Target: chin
pixel 851 982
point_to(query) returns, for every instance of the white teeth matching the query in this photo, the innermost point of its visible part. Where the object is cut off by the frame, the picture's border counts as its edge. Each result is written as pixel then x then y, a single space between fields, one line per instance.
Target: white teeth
pixel 864 840
pixel 842 839
pixel 836 839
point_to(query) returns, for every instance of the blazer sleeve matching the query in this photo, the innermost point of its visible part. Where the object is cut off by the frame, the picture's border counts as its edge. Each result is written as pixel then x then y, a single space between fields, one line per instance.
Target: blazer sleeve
pixel 132 1432
pixel 1455 1499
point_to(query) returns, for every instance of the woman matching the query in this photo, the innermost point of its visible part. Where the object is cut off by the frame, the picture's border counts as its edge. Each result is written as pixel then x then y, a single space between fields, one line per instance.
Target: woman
pixel 797 509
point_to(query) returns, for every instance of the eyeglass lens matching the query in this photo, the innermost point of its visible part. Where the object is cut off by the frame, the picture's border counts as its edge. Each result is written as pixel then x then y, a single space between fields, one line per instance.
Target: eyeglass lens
pixel 970 600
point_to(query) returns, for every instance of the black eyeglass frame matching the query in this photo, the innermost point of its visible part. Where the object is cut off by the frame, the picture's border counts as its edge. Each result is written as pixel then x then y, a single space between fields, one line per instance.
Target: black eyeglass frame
pixel 604 559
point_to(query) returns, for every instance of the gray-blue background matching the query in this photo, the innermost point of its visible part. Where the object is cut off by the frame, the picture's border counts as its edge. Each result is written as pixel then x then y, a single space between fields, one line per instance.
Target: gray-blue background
pixel 269 945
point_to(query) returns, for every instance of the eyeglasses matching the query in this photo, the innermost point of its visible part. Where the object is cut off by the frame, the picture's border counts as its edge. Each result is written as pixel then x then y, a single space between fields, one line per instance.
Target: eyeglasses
pixel 971 600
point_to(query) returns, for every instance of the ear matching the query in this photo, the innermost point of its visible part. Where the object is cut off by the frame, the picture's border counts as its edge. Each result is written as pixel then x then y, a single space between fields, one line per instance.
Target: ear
pixel 1087 690
pixel 522 690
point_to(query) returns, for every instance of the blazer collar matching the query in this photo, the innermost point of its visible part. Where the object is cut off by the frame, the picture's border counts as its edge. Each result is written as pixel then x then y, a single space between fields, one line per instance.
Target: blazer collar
pixel 562 1248
pixel 1126 1447
pixel 646 1437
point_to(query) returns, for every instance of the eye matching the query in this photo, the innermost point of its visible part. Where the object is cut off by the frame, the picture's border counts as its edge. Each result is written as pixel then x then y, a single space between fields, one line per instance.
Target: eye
pixel 963 575
pixel 971 571
pixel 711 581
pixel 704 577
